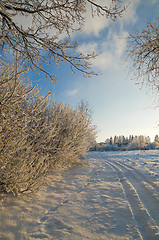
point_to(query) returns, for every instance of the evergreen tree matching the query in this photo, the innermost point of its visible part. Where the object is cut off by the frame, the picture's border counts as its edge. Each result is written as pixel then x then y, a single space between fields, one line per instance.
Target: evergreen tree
pixel 156 140
pixel 115 140
pixel 131 138
pixel 126 141
pixel 111 141
pixel 119 141
pixel 123 140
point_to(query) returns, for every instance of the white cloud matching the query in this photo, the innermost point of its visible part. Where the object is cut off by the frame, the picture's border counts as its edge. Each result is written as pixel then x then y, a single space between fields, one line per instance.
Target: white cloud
pixel 104 60
pixel 88 47
pixel 112 49
pixel 94 25
pixel 71 93
pixel 130 16
pixel 119 42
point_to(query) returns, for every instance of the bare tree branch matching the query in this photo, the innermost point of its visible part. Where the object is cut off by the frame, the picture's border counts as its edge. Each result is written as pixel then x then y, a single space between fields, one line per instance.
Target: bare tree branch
pixel 39 42
pixel 143 54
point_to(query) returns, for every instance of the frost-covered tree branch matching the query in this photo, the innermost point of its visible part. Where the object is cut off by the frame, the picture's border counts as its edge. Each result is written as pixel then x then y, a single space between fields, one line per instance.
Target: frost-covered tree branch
pixel 33 29
pixel 143 54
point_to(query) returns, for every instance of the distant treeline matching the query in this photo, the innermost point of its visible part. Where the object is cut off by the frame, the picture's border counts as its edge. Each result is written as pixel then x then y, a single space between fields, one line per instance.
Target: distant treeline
pixel 127 143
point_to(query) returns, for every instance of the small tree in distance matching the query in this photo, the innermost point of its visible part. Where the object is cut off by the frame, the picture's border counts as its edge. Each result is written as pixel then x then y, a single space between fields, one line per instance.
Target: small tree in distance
pixel 156 141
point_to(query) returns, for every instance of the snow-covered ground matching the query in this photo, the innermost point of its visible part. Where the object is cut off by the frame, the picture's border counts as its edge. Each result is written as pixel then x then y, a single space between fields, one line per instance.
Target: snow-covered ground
pixel 115 197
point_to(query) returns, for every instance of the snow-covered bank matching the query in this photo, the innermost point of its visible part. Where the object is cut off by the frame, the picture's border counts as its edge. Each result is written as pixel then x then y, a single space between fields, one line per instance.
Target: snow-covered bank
pixel 115 197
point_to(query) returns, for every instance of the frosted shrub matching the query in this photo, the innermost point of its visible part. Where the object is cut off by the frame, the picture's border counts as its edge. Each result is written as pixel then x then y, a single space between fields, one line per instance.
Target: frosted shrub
pixel 74 134
pixel 36 137
pixel 21 167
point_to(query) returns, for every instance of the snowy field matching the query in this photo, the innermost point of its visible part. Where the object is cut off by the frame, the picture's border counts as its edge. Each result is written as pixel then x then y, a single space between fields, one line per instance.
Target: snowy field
pixel 115 197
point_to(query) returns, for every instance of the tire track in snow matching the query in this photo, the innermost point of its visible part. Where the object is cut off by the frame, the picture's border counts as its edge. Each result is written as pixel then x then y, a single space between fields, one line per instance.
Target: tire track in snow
pixel 142 175
pixel 145 223
pixel 146 194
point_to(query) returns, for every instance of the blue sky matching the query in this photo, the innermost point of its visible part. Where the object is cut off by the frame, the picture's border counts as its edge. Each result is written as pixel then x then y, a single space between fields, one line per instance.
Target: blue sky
pixel 120 107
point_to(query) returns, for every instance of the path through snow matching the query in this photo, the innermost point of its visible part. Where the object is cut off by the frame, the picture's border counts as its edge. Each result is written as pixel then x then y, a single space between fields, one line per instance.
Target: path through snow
pixel 115 197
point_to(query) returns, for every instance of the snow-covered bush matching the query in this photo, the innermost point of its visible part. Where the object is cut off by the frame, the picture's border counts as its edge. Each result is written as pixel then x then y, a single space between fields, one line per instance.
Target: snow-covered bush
pixel 36 136
pixel 151 146
pixel 114 147
pixel 132 146
pixel 72 136
pixel 21 167
pixel 99 147
pixel 139 142
pixel 105 147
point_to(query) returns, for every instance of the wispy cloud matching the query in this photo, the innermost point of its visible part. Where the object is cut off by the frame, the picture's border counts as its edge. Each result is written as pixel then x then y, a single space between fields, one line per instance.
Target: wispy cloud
pixel 111 49
pixel 70 93
pixel 94 25
pixel 88 47
pixel 130 16
pixel 119 43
